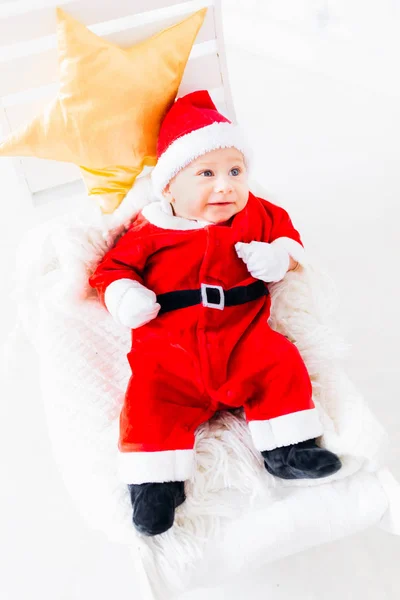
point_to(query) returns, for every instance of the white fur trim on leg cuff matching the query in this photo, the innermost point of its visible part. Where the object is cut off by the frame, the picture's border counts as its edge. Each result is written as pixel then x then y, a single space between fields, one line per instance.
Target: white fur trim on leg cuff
pixel 156 467
pixel 287 429
pixel 295 249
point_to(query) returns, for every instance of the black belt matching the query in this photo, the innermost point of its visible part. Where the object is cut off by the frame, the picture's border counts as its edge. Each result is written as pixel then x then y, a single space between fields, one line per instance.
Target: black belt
pixel 213 296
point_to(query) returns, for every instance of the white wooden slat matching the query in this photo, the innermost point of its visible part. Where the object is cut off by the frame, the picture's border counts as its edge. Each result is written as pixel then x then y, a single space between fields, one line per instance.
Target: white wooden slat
pixel 23 21
pixel 219 98
pixel 26 97
pixel 201 73
pixel 25 195
pixel 42 174
pixel 41 69
pixel 219 34
pixel 64 195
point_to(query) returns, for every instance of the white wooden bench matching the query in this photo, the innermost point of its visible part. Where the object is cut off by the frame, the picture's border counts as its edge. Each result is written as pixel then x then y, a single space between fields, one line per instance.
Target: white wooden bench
pixel 28 80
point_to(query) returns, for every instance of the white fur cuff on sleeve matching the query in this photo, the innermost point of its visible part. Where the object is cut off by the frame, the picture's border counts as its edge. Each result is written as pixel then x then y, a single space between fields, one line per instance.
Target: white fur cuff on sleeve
pixel 116 291
pixel 295 249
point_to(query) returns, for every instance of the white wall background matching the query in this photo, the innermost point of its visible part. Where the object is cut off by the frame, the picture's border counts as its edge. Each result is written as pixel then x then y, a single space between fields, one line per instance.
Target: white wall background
pixel 314 84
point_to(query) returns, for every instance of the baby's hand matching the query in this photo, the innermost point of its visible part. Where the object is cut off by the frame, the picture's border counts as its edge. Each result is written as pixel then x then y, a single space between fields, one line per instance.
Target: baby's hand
pixel 131 303
pixel 268 262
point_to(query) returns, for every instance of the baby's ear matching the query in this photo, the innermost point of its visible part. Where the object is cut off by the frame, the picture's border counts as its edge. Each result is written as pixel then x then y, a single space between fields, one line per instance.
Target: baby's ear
pixel 166 192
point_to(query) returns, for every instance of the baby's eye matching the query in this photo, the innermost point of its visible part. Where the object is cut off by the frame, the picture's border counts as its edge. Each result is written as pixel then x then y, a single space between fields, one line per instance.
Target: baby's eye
pixel 204 172
pixel 236 169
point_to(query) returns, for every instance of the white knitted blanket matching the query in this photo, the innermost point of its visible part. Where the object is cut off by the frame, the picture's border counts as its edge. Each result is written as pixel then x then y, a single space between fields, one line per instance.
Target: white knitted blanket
pixel 84 373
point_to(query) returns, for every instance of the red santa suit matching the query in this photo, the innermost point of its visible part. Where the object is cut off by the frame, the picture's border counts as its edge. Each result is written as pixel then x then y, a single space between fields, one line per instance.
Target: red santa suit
pixel 190 362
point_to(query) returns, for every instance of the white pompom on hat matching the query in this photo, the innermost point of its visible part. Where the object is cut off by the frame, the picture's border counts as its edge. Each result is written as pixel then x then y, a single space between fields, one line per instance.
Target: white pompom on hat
pixel 192 127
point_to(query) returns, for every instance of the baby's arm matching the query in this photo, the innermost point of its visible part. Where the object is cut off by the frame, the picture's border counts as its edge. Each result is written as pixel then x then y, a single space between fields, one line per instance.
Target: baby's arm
pixel 284 234
pixel 125 261
pixel 281 250
pixel 119 282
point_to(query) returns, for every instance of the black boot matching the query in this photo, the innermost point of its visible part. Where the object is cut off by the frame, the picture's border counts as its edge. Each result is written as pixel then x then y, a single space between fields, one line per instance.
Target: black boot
pixel 154 505
pixel 304 460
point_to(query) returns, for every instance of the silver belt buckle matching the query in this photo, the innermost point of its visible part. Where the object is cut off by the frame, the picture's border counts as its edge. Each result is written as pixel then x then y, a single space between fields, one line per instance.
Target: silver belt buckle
pixel 205 302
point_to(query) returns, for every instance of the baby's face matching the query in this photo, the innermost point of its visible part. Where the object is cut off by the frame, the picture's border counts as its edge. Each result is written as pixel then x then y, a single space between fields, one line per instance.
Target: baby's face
pixel 212 188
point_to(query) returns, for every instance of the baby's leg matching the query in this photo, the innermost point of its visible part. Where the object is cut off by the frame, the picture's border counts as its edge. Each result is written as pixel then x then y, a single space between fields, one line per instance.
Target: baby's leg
pixel 158 421
pixel 279 408
pixel 282 417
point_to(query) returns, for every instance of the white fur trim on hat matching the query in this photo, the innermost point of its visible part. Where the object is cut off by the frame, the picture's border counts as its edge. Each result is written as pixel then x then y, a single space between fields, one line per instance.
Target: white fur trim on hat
pixel 190 146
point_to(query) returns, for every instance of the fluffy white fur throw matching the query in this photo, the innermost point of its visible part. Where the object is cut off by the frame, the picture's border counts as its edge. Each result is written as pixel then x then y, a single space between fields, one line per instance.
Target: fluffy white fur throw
pixel 84 373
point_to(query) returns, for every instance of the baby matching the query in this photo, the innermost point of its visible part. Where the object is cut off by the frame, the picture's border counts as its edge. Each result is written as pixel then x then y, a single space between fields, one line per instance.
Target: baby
pixel 189 278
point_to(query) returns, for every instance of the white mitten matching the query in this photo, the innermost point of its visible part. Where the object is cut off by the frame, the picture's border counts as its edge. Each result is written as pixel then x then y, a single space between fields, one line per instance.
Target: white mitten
pixel 268 262
pixel 131 303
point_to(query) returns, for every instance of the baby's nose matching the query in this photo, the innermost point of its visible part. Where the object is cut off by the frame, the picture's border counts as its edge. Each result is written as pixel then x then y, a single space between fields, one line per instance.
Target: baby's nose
pixel 223 184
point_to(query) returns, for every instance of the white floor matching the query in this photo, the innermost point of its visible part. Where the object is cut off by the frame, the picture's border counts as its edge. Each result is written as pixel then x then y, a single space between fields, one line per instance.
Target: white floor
pixel 328 152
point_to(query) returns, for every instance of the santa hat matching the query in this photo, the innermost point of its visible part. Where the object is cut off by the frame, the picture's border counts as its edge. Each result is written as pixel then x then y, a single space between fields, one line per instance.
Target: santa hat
pixel 192 127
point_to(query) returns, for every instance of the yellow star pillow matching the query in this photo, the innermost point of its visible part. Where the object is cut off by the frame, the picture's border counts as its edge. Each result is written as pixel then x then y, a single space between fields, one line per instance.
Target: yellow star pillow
pixel 111 102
